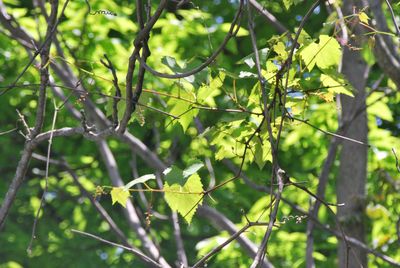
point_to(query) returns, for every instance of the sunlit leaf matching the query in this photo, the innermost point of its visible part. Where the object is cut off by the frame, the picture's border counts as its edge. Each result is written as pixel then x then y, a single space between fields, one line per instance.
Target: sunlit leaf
pixel 226 26
pixel 141 179
pixel 378 107
pixel 377 211
pixel 119 195
pixel 280 49
pixel 335 85
pixel 363 17
pixel 185 199
pixel 325 54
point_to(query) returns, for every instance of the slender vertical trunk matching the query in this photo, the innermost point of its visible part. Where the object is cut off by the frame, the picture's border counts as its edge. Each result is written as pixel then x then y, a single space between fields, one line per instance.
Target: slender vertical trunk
pixel 353 157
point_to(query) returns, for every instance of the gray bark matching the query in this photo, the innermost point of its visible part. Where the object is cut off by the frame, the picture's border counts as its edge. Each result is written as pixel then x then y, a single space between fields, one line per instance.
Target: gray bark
pixel 353 157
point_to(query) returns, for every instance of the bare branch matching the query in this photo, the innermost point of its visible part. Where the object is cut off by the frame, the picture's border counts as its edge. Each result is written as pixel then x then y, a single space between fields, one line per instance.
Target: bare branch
pixel 129 249
pixel 269 17
pixel 46 178
pixel 231 33
pixel 385 50
pixel 141 37
pixel 224 223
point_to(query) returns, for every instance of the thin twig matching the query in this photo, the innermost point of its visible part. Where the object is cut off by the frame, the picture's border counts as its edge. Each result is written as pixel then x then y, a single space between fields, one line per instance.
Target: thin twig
pixel 331 133
pixel 231 33
pixel 49 36
pixel 134 251
pixel 46 178
pixel 8 131
pixel 393 18
pixel 117 97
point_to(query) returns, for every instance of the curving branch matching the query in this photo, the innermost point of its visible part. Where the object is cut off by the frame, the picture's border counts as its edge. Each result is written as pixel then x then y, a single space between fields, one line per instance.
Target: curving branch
pixel 385 50
pixel 139 43
pixel 271 19
pixel 231 33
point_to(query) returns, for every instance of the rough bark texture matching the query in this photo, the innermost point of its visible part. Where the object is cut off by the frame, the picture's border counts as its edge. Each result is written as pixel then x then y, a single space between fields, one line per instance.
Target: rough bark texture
pixel 353 157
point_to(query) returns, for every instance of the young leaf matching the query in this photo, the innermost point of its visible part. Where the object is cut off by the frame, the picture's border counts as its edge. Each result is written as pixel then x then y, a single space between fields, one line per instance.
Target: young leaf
pixel 335 84
pixel 280 49
pixel 185 199
pixel 363 17
pixel 119 195
pixel 325 54
pixel 329 52
pixel 174 175
pixel 192 169
pixel 308 55
pixel 141 179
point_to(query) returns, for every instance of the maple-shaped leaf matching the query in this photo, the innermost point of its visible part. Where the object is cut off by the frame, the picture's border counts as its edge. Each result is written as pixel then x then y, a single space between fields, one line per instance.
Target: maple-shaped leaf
pixel 325 54
pixel 185 199
pixel 119 195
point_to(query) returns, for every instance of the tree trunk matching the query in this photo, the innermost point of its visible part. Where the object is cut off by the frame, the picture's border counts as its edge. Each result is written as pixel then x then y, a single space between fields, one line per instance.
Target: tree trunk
pixel 353 156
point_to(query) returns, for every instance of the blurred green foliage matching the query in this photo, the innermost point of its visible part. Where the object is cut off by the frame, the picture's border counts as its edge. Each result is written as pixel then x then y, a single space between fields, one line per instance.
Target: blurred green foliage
pixel 181 42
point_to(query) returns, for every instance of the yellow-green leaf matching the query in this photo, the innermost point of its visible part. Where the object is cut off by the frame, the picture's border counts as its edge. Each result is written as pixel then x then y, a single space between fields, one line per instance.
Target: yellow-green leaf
pixel 378 107
pixel 119 195
pixel 328 53
pixel 226 26
pixel 363 17
pixel 335 84
pixel 185 199
pixel 280 49
pixel 325 54
pixel 377 212
pixel 308 55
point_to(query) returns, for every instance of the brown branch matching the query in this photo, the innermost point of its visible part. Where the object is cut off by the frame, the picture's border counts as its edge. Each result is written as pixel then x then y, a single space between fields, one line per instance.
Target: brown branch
pixel 138 44
pixel 269 17
pixel 16 182
pixel 182 258
pixel 117 98
pixel 393 18
pixel 231 33
pixel 385 50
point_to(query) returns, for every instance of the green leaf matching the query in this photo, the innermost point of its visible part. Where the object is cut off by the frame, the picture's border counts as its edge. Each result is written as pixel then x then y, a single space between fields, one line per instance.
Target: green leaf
pixel 329 52
pixel 335 84
pixel 174 175
pixel 280 49
pixel 308 55
pixel 192 169
pixel 262 153
pixel 171 63
pixel 325 54
pixel 207 92
pixel 185 112
pixel 226 26
pixel 379 108
pixel 185 199
pixel 250 59
pixel 377 212
pixel 119 195
pixel 141 179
